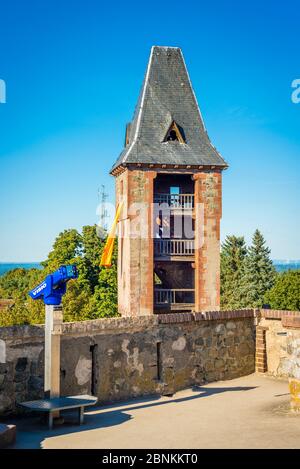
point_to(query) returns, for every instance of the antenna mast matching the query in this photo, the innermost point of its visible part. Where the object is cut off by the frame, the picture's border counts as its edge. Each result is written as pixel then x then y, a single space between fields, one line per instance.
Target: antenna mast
pixel 102 195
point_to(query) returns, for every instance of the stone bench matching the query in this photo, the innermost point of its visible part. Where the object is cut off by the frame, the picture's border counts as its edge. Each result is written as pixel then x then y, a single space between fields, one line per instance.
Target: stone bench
pixel 7 435
pixel 61 403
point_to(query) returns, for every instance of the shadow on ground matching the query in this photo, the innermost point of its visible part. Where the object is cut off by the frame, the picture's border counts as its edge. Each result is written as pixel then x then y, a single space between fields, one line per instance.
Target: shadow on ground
pixel 31 431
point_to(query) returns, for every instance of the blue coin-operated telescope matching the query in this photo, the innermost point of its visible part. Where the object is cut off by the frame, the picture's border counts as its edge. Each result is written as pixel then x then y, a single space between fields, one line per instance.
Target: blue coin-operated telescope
pixel 54 286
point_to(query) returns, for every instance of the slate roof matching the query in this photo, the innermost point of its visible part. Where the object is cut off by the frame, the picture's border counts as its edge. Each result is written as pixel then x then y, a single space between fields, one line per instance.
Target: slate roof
pixel 167 96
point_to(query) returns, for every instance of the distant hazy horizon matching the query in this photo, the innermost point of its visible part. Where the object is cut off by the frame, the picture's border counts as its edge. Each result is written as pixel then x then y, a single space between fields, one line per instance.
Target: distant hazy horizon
pixel 275 261
pixel 280 265
pixel 7 266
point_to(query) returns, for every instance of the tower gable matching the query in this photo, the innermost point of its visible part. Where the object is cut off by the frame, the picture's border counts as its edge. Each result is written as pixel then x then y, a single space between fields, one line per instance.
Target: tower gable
pixel 174 134
pixel 167 99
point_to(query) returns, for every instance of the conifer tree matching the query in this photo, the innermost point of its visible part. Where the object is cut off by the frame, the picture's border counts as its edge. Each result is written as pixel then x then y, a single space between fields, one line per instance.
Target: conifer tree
pixel 233 255
pixel 259 273
pixel 285 294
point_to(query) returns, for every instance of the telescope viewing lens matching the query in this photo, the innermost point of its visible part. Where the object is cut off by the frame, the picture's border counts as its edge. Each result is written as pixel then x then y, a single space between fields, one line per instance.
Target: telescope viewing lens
pixel 71 270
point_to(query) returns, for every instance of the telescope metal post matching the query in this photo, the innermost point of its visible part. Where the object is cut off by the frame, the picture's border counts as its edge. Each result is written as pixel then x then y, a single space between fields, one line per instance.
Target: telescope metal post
pixel 53 329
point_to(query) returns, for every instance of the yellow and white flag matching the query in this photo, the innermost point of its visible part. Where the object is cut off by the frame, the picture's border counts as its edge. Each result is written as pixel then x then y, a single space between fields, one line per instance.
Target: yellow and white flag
pixel 109 245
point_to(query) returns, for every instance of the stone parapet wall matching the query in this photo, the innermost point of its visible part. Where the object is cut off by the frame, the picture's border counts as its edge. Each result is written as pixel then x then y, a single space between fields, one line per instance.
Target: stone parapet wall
pixel 120 358
pixel 278 343
pixel 21 365
pixel 291 322
pixel 160 360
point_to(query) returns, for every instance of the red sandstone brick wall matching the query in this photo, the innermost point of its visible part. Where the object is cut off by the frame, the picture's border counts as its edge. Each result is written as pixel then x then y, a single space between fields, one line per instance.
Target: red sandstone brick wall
pixel 261 352
pixel 208 191
pixel 135 260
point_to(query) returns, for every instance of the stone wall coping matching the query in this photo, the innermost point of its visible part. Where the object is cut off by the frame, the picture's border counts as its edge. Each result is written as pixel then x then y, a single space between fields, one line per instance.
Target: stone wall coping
pixel 121 324
pixel 205 316
pixel 142 322
pixel 175 318
pixel 104 325
pixel 223 315
pixel 278 313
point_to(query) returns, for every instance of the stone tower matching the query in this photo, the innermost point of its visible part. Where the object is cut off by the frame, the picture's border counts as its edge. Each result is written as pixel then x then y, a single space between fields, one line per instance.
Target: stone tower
pixel 169 179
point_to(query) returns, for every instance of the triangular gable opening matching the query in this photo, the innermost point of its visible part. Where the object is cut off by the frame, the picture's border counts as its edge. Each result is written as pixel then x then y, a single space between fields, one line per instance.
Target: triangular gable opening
pixel 175 134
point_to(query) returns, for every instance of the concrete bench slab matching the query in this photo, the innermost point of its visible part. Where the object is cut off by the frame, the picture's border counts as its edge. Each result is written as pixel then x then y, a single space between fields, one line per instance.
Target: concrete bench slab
pixel 7 435
pixel 61 403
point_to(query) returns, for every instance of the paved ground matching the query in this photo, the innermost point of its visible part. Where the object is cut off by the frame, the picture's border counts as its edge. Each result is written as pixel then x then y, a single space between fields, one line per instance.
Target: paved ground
pixel 249 412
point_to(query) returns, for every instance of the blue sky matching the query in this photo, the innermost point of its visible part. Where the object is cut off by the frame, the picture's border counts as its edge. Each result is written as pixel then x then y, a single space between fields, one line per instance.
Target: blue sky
pixel 73 71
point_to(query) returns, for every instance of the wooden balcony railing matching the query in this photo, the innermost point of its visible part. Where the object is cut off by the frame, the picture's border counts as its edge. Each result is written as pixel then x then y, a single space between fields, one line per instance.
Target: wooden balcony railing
pixel 176 201
pixel 174 247
pixel 165 297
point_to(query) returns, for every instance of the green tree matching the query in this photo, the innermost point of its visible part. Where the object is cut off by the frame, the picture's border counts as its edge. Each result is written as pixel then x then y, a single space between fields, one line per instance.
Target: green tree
pixel 89 263
pixel 104 302
pixel 233 254
pixel 15 285
pixel 285 294
pixel 67 248
pixel 15 281
pixel 76 302
pixel 92 295
pixel 259 273
pixel 20 313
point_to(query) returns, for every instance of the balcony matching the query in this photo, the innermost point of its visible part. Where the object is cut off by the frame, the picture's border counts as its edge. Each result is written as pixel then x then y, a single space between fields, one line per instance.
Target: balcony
pixel 174 249
pixel 174 299
pixel 176 202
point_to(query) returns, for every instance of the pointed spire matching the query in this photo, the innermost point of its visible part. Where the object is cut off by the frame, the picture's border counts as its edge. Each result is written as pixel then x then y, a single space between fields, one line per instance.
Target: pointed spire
pixel 167 103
